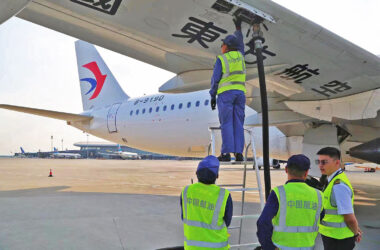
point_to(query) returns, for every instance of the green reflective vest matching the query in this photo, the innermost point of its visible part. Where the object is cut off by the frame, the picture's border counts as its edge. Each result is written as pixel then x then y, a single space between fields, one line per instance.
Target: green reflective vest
pixel 234 71
pixel 333 224
pixel 295 225
pixel 203 208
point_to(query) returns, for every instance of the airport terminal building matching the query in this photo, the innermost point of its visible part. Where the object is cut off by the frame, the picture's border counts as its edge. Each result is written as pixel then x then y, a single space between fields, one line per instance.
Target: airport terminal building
pixel 107 150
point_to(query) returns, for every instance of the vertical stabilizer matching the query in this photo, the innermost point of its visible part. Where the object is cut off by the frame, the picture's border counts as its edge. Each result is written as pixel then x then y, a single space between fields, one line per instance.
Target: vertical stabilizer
pixel 98 86
pixel 22 150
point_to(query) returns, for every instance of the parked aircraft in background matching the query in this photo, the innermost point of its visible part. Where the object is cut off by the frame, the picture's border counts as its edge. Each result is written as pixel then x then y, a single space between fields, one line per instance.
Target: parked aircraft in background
pixel 120 153
pixel 367 166
pixel 127 155
pixel 57 154
pixel 322 89
pixel 22 154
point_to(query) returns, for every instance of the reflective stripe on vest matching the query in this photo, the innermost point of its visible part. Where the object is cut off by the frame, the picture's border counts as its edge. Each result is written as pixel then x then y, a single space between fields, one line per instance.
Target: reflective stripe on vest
pixel 232 80
pixel 282 227
pixel 334 224
pixel 294 248
pixel 214 223
pixel 196 243
pixel 331 211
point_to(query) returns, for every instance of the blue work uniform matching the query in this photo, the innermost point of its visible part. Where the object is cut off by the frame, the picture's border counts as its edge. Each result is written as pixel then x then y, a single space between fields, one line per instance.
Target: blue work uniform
pixel 231 107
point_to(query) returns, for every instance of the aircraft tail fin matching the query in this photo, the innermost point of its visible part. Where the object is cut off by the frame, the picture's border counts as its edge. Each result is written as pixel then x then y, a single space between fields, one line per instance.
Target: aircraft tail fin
pixel 55 150
pixel 98 86
pixel 22 150
pixel 119 148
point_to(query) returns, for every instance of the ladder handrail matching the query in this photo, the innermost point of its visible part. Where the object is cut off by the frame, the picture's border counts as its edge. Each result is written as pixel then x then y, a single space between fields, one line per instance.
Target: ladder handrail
pixel 243 185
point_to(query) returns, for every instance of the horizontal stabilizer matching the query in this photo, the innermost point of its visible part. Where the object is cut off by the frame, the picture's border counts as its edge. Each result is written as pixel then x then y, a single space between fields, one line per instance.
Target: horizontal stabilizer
pixel 48 113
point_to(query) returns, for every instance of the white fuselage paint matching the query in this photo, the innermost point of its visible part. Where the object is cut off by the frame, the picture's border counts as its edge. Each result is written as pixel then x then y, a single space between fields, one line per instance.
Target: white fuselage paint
pixel 181 131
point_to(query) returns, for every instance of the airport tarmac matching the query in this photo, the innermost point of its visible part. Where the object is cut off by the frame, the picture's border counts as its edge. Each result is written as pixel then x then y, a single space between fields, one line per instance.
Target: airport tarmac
pixel 114 204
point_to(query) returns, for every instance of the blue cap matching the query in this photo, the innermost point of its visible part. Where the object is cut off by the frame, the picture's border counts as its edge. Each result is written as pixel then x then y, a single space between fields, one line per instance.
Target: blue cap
pixel 302 162
pixel 231 41
pixel 210 162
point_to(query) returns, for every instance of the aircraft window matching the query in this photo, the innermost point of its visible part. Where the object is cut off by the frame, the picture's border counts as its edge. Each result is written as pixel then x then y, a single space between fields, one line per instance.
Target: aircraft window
pixel 165 108
pixel 206 102
pixel 143 111
pixel 157 109
pixel 137 112
pixel 150 110
pixel 131 113
pixel 197 103
pixel 172 107
pixel 188 104
pixel 180 106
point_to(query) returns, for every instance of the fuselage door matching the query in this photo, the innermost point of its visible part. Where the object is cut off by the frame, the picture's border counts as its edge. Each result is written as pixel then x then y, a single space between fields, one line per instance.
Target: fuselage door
pixel 111 118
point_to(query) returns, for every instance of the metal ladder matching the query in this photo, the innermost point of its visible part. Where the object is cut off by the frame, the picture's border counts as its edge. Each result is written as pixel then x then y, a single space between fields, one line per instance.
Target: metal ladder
pixel 243 186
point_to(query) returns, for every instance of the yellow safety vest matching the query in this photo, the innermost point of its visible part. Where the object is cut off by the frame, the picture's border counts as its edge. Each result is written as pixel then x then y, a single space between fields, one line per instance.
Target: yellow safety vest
pixel 333 224
pixel 295 225
pixel 203 208
pixel 234 72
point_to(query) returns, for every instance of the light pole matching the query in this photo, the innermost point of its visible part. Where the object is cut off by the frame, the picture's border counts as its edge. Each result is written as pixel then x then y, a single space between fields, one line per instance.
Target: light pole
pixel 62 144
pixel 87 145
pixel 51 143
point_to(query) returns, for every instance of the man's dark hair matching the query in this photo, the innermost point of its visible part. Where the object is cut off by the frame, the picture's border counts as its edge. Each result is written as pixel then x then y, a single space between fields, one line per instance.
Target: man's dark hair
pixel 295 170
pixel 330 151
pixel 206 176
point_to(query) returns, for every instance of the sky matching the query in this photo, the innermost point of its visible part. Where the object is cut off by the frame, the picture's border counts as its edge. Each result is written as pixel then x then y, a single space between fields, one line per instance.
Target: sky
pixel 38 69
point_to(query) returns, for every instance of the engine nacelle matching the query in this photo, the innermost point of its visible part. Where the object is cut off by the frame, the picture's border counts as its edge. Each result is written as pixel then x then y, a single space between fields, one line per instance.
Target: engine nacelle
pixel 369 151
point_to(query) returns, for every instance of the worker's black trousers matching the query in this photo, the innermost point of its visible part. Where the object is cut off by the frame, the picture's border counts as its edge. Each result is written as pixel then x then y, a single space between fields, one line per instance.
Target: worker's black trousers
pixel 334 244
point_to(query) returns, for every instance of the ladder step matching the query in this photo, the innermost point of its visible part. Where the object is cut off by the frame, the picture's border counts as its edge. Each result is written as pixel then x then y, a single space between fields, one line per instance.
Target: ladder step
pixel 235 227
pixel 231 185
pixel 242 189
pixel 236 162
pixel 247 216
pixel 245 245
pixel 250 169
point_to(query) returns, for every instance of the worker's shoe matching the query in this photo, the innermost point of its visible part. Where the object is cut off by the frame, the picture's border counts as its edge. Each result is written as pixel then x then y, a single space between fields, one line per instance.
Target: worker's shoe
pixel 224 157
pixel 239 157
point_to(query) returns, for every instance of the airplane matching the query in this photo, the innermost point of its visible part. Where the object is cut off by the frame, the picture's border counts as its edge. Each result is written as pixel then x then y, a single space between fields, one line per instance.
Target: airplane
pixel 120 153
pixel 322 89
pixel 57 154
pixel 126 155
pixel 172 124
pixel 22 154
pixel 368 167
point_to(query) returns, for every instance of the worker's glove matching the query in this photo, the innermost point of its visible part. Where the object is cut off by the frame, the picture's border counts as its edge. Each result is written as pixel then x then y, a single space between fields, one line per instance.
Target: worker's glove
pixel 237 22
pixel 213 103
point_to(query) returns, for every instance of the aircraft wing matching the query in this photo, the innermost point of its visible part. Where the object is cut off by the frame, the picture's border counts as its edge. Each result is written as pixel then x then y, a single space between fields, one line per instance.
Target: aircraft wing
pixel 48 113
pixel 304 61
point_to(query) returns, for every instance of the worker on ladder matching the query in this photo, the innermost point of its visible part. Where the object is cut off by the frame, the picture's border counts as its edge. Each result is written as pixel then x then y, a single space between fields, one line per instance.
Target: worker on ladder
pixel 206 209
pixel 291 215
pixel 228 82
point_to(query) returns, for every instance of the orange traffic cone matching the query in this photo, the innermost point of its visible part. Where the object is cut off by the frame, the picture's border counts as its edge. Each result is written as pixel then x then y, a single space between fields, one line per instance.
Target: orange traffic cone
pixel 50 174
